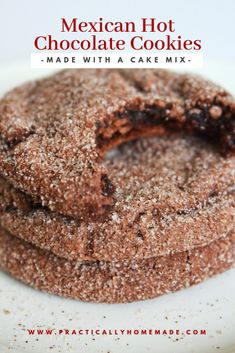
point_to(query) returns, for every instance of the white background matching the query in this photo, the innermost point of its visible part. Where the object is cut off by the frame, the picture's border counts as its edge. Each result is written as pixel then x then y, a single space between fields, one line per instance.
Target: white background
pixel 210 20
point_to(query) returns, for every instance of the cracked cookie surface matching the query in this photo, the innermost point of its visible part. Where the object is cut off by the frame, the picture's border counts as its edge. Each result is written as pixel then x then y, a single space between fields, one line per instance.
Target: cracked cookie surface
pixel 54 132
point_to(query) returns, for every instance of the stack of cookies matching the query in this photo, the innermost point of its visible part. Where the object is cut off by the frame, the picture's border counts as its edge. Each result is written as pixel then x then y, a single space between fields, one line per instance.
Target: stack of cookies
pixel 117 185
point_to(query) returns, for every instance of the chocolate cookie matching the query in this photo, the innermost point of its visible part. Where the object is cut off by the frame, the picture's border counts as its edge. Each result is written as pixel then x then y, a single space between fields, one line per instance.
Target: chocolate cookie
pixel 54 132
pixel 173 194
pixel 113 282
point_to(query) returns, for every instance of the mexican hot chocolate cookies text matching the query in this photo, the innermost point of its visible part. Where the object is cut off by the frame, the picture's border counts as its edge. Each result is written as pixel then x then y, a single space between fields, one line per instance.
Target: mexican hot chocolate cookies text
pixel 89 196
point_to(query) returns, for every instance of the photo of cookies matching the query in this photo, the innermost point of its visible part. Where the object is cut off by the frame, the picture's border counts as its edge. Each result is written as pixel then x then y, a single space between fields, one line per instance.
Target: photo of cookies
pixel 167 188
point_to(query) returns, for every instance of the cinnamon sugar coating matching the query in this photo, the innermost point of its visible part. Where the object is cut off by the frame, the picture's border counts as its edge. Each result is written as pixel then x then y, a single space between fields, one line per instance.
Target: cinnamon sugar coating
pixel 173 194
pixel 113 282
pixel 54 132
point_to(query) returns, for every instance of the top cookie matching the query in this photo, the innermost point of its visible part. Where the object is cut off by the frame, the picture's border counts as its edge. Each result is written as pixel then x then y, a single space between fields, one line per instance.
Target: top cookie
pixel 54 132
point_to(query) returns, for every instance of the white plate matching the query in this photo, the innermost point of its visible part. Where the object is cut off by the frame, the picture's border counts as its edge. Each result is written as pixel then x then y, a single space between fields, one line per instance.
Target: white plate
pixel 210 305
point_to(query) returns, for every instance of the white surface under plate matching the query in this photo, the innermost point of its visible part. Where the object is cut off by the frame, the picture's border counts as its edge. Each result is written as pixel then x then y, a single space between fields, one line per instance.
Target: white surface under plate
pixel 210 305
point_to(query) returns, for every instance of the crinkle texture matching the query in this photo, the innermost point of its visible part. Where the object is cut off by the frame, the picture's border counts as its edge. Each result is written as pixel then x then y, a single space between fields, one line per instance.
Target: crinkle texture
pixel 174 194
pixel 113 282
pixel 54 132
